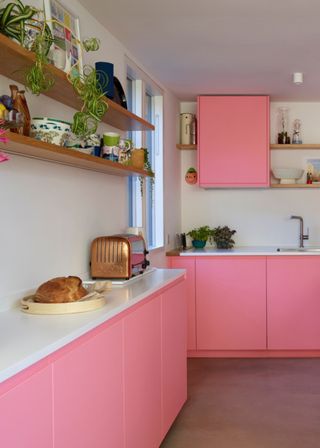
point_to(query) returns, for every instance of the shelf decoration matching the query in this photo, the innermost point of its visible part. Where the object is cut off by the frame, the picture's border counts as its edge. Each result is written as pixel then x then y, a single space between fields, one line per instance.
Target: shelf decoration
pixel 191 176
pixel 3 139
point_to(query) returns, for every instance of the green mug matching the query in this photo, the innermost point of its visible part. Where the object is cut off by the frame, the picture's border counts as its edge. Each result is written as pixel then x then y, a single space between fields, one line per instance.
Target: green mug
pixel 111 139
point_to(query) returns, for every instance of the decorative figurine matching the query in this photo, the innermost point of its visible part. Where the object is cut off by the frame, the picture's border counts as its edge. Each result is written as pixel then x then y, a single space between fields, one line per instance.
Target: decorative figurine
pixel 191 176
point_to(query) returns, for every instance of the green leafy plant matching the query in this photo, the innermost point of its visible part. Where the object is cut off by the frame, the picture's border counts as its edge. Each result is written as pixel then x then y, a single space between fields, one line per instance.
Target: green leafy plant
pixel 13 20
pixel 202 233
pixel 222 236
pixel 148 168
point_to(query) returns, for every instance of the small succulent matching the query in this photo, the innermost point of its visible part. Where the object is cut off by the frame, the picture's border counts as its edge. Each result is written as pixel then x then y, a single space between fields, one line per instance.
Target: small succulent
pixel 222 236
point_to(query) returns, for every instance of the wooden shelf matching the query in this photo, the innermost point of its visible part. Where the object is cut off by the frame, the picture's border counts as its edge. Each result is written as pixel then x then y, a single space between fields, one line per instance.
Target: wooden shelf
pixel 303 146
pixel 182 147
pixel 15 60
pixel 295 185
pixel 35 149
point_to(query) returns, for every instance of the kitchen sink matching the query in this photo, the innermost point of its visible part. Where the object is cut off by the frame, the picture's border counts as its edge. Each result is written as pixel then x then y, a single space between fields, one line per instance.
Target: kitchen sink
pixel 298 249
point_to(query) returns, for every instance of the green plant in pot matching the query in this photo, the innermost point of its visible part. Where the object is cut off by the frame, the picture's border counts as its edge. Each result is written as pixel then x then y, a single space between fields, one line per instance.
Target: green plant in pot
pixel 200 236
pixel 222 236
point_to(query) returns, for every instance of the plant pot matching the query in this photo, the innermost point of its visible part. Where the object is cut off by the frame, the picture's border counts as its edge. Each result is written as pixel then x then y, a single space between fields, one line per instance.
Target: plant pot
pixel 198 244
pixel 137 158
pixel 223 245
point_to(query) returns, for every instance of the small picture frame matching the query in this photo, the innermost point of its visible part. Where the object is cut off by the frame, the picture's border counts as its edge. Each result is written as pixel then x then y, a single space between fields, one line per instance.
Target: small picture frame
pixel 66 49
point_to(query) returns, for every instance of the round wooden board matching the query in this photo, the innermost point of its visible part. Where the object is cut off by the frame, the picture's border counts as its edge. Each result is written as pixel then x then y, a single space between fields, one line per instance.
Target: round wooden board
pixel 28 305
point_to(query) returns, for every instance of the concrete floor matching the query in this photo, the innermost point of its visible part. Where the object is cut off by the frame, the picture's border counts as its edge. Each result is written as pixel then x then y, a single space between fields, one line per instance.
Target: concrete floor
pixel 249 403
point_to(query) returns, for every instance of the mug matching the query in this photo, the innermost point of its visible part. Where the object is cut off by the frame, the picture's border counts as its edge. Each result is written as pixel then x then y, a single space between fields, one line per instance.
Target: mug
pixel 111 139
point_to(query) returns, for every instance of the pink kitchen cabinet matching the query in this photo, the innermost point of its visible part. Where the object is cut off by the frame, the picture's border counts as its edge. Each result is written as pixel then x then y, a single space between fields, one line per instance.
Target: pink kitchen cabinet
pixel 88 393
pixel 26 412
pixel 231 303
pixel 233 141
pixel 142 376
pixel 174 353
pixel 294 303
pixel 189 264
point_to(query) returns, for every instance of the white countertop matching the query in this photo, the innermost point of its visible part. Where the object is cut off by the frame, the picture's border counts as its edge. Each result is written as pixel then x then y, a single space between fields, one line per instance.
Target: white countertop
pixel 249 250
pixel 26 339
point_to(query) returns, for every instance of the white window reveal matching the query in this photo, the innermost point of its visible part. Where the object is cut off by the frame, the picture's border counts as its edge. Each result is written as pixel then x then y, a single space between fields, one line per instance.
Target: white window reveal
pixel 145 99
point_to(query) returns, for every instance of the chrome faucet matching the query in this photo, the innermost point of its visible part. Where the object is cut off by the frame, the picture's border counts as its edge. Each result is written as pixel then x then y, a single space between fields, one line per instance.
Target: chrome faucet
pixel 302 236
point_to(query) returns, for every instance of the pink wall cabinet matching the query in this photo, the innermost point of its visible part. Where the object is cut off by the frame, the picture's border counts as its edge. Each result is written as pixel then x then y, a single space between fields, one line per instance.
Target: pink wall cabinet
pixel 233 141
pixel 88 393
pixel 142 376
pixel 231 303
pixel 294 303
pixel 188 264
pixel 174 353
pixel 22 406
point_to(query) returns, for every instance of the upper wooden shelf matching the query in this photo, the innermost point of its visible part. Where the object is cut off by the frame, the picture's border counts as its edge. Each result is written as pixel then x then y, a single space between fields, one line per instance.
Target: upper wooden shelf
pixel 35 149
pixel 186 146
pixel 16 59
pixel 302 146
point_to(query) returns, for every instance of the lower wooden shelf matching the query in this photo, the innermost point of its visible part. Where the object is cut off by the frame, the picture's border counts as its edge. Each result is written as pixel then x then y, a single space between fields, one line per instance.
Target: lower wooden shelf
pixel 295 185
pixel 186 146
pixel 29 147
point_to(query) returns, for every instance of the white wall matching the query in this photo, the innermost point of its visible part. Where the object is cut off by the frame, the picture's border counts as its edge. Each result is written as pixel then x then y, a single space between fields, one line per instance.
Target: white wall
pixel 261 217
pixel 50 213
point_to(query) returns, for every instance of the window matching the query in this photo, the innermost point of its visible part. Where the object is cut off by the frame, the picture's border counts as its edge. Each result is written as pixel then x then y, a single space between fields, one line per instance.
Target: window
pixel 145 99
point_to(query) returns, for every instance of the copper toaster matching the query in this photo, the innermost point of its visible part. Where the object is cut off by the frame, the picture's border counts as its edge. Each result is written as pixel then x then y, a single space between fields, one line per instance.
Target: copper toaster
pixel 118 256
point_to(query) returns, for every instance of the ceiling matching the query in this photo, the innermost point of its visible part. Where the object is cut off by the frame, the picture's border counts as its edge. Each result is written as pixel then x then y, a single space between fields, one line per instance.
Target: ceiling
pixel 221 46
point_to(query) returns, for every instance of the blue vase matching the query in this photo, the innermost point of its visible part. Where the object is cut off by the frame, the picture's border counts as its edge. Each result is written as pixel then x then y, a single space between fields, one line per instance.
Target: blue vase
pixel 105 78
pixel 198 244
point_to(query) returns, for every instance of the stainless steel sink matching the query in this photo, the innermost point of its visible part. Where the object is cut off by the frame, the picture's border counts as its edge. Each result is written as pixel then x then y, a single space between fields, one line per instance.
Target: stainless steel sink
pixel 298 249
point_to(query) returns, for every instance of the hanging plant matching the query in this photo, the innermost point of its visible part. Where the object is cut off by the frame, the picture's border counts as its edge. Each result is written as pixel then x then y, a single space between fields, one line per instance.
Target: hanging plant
pixel 88 88
pixel 148 168
pixel 14 18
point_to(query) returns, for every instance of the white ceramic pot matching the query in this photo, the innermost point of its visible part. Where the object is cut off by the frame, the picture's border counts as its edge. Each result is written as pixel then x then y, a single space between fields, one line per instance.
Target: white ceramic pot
pixel 50 130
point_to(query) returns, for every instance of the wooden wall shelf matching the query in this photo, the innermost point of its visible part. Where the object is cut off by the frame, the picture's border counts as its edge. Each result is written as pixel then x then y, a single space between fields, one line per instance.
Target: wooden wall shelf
pixel 301 147
pixel 295 185
pixel 182 147
pixel 14 61
pixel 35 149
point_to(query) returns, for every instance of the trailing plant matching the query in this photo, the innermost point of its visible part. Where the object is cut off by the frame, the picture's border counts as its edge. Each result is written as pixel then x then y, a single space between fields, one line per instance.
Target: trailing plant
pixel 222 236
pixel 148 168
pixel 88 88
pixel 14 18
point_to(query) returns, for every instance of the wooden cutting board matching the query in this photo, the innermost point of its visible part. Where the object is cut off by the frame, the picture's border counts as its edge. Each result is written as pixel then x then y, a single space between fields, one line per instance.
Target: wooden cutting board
pixel 91 302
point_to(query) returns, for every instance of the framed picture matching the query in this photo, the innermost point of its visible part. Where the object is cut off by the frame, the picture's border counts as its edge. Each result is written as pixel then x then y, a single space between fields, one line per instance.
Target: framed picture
pixel 313 167
pixel 66 51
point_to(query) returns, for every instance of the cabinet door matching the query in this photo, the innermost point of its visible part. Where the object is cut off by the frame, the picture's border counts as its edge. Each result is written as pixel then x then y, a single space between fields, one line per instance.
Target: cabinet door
pixel 174 353
pixel 88 393
pixel 231 303
pixel 142 376
pixel 26 413
pixel 188 263
pixel 233 141
pixel 294 303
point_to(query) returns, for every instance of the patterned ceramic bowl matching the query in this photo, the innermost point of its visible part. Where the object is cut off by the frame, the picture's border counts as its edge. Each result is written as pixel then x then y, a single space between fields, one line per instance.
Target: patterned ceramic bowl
pixel 50 130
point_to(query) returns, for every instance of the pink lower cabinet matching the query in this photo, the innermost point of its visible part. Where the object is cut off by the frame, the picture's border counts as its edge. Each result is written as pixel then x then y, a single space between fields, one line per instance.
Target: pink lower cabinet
pixel 294 303
pixel 189 264
pixel 26 412
pixel 174 353
pixel 142 376
pixel 88 393
pixel 231 303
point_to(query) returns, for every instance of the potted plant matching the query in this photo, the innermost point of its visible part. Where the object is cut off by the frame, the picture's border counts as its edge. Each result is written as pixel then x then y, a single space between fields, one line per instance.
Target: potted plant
pixel 200 236
pixel 222 236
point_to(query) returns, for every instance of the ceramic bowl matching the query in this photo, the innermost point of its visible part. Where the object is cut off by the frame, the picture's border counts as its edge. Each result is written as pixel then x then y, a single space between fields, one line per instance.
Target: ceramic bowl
pixel 287 175
pixel 50 130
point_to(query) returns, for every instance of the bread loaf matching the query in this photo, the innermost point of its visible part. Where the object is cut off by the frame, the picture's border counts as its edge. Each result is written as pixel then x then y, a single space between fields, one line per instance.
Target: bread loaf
pixel 60 290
